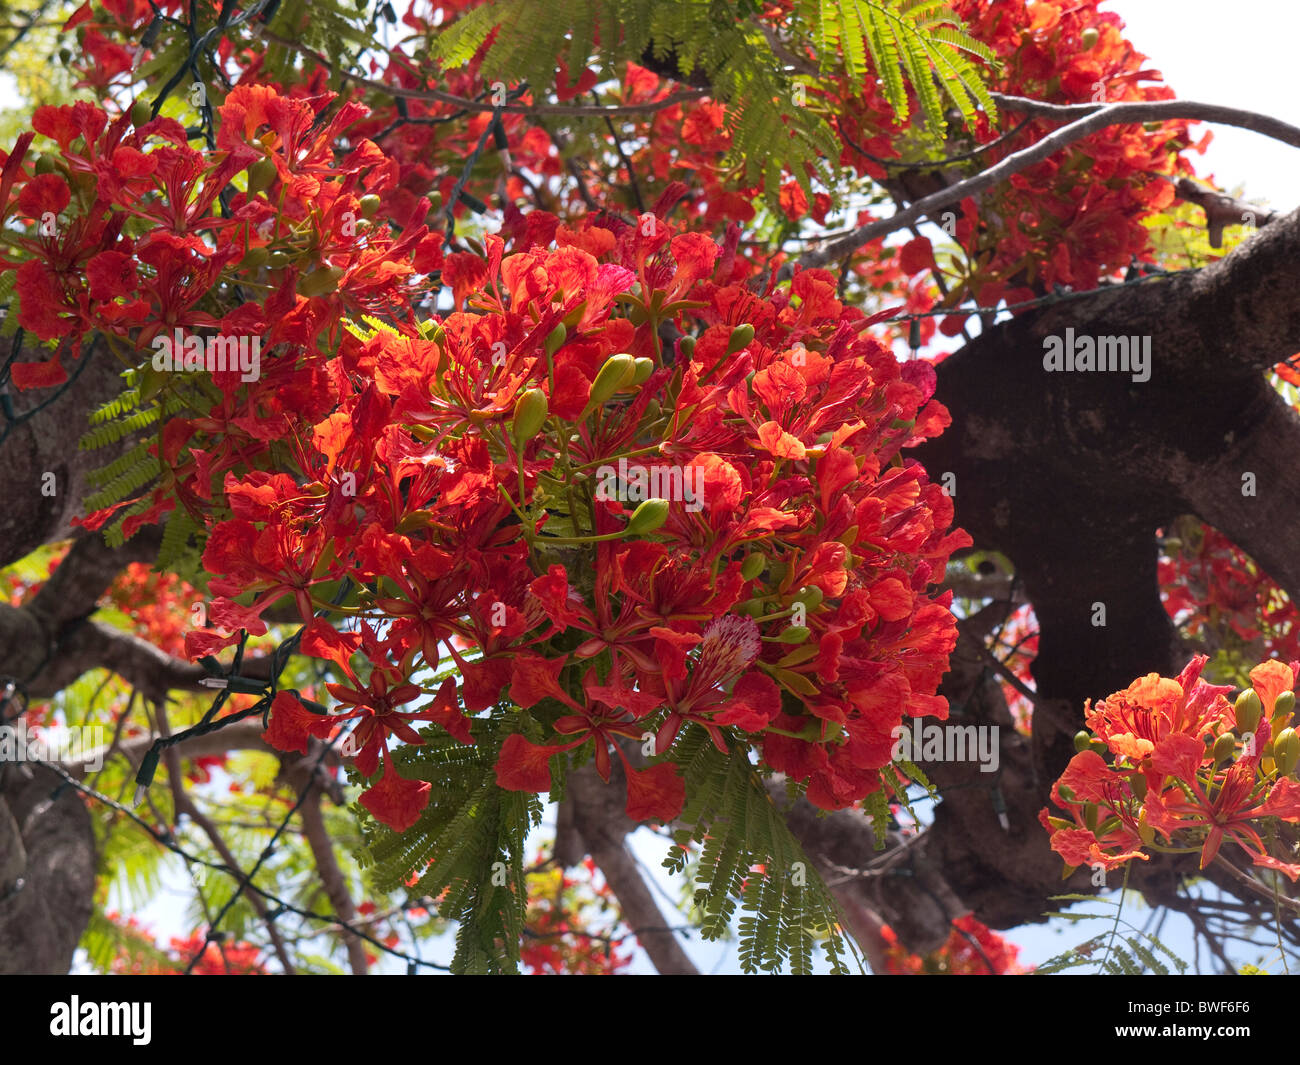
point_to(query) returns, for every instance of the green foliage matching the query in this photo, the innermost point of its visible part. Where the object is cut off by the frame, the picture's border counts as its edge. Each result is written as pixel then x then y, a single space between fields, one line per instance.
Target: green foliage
pixel 910 42
pixel 907 39
pixel 468 843
pixel 1138 953
pixel 119 419
pixel 105 941
pixel 786 907
pixel 177 553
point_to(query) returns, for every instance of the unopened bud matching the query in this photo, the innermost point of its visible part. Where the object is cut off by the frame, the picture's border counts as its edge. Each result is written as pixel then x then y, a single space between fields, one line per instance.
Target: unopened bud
pixel 647 517
pixel 794 634
pixel 1249 711
pixel 810 595
pixel 531 410
pixel 1284 705
pixel 320 282
pixel 555 338
pixel 1088 38
pixel 260 175
pixel 141 112
pixel 752 566
pixel 1082 739
pixel 369 205
pixel 609 380
pixel 642 369
pixel 1224 748
pixel 740 338
pixel 1286 751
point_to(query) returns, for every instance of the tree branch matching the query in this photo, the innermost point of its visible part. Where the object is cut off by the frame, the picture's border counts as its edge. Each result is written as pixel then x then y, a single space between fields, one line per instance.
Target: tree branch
pixel 322 849
pixel 599 817
pixel 1094 117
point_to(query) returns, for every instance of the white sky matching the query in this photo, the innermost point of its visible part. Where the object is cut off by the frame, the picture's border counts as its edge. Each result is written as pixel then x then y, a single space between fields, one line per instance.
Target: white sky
pixel 1241 55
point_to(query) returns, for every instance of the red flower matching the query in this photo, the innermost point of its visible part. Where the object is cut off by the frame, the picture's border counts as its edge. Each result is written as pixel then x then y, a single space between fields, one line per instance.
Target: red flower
pixel 394 800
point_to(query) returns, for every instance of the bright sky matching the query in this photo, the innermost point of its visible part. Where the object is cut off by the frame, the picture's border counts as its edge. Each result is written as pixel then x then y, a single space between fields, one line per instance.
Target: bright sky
pixel 1240 55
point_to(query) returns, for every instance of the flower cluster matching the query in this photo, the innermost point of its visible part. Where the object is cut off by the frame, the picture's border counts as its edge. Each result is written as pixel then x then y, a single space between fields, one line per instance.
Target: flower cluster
pixel 562 906
pixel 772 590
pixel 1186 766
pixel 972 949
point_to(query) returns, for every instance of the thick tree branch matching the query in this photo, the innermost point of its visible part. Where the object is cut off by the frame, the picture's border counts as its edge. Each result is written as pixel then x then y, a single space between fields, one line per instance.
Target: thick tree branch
pixel 599 817
pixel 1094 117
pixel 322 849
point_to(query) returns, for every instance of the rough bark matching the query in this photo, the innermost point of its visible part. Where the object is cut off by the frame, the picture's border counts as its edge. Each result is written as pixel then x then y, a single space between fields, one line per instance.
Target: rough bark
pixel 47 870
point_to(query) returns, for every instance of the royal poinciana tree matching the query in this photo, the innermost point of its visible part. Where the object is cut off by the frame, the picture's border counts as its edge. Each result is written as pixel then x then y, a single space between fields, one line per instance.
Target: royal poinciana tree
pixel 410 416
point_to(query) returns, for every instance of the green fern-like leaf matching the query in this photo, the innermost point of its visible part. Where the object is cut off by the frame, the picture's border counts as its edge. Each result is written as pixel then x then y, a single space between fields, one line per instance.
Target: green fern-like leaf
pixel 748 856
pixel 911 42
pixel 467 847
pixel 136 475
pixel 175 545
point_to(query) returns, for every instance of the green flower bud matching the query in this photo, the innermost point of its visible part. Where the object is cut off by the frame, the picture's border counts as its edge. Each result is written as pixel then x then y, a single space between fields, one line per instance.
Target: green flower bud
pixel 1284 705
pixel 435 200
pixel 278 260
pixel 1286 751
pixel 141 112
pixel 369 205
pixel 320 282
pixel 794 634
pixel 753 566
pixel 1224 748
pixel 45 164
pixel 1138 785
pixel 653 410
pixel 687 346
pixel 643 368
pixel 810 595
pixel 751 608
pixel 647 517
pixel 260 175
pixel 255 258
pixel 1082 739
pixel 609 380
pixel 556 338
pixel 1249 711
pixel 531 410
pixel 1088 38
pixel 740 338
pixel 1098 745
